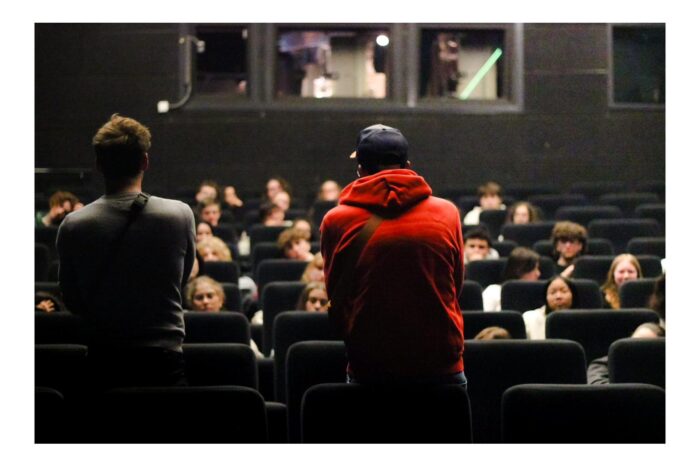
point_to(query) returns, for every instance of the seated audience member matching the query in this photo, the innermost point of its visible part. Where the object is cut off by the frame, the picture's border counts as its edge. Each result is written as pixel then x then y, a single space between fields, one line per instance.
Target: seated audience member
pixel 210 212
pixel 208 189
pixel 204 231
pixel 314 271
pixel 560 294
pixel 205 294
pixel 271 215
pixel 48 302
pixel 213 249
pixel 493 333
pixel 490 198
pixel 273 186
pixel 302 224
pixel 478 246
pixel 523 264
pixel 598 373
pixel 568 243
pixel 313 298
pixel 283 200
pixel 329 191
pixel 624 268
pixel 657 300
pixel 61 203
pixel 231 198
pixel 295 244
pixel 521 213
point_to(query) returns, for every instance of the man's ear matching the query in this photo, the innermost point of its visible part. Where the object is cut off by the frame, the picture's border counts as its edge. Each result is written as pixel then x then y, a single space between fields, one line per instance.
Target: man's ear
pixel 145 161
pixel 361 171
pixel 408 164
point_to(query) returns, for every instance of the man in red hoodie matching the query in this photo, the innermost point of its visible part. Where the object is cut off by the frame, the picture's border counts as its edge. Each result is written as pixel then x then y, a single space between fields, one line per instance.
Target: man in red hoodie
pixel 393 268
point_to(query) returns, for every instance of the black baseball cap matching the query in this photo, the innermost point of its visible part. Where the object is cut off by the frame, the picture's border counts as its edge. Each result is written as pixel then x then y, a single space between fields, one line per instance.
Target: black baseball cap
pixel 380 145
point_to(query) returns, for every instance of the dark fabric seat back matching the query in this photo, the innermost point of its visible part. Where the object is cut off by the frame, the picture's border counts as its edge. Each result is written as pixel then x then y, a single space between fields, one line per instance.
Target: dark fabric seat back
pixel 208 364
pixel 493 366
pixel 504 247
pixel 259 232
pixel 647 246
pixel 584 214
pixel 657 211
pixel 277 297
pixel 616 413
pixel 596 267
pixel 223 272
pixel 278 270
pixel 594 247
pixel 470 298
pixel 620 231
pixel 528 234
pixel 521 296
pixel 636 293
pixel 59 328
pixel 628 202
pixel 638 360
pixel 216 327
pixel 61 367
pixel 353 413
pixel 596 329
pixel 494 220
pixel 549 203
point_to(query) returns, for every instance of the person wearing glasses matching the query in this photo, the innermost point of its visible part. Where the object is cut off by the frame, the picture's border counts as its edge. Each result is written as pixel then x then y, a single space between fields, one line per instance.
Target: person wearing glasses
pixel 569 243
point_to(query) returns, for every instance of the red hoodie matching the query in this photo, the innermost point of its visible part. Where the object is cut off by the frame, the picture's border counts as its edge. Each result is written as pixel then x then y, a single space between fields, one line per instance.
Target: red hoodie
pixel 403 316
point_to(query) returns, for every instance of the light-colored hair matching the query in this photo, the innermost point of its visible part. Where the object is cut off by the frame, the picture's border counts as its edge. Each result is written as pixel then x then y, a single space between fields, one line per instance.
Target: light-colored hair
pixel 609 288
pixel 120 145
pixel 192 289
pixel 315 264
pixel 287 238
pixel 59 197
pixel 493 333
pixel 217 245
pixel 301 303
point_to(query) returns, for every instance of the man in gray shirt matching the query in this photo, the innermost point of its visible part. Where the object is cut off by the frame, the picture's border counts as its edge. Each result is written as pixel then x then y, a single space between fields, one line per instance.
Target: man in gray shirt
pixel 124 260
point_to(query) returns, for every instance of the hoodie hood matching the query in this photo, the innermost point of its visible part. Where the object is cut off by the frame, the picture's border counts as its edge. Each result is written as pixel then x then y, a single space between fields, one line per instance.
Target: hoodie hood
pixel 386 192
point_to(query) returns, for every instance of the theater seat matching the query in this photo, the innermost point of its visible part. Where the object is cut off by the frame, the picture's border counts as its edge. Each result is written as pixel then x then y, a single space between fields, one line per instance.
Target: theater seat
pixel 638 360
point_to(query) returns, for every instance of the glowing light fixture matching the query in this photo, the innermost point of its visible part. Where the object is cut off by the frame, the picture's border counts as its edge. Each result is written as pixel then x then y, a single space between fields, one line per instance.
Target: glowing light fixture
pixel 382 40
pixel 480 74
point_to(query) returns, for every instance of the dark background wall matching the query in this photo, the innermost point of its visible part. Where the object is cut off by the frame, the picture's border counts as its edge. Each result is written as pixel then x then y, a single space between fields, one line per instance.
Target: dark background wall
pixel 566 133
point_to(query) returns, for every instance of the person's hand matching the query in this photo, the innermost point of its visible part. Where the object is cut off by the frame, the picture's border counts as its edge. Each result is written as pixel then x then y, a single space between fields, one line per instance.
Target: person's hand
pixel 567 271
pixel 46 305
pixel 231 198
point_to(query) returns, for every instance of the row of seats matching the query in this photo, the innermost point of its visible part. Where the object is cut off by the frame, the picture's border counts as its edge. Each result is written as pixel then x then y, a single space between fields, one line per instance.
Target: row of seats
pixel 492 368
pixel 594 330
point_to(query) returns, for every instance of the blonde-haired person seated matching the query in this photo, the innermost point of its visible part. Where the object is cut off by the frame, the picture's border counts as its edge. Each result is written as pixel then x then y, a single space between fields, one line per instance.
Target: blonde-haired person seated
pixel 213 249
pixel 624 268
pixel 295 244
pixel 314 298
pixel 314 271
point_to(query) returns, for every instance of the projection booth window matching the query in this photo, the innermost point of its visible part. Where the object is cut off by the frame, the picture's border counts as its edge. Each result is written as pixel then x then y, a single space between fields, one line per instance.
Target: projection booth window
pixel 463 64
pixel 222 68
pixel 639 64
pixel 332 63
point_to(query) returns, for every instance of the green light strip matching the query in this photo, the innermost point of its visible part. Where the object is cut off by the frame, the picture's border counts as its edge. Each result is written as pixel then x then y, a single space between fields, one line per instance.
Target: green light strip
pixel 480 74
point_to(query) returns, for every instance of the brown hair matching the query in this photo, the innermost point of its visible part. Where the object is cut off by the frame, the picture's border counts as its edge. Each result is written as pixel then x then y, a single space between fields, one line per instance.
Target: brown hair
pixel 520 261
pixel 59 197
pixel 301 303
pixel 490 188
pixel 289 236
pixel 609 288
pixel 493 333
pixel 569 230
pixel 119 147
pixel 531 210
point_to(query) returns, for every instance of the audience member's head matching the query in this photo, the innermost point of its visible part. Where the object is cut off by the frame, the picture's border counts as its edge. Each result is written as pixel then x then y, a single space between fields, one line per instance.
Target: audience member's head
pixel 303 224
pixel 569 241
pixel 493 333
pixel 477 244
pixel 231 198
pixel 329 191
pixel 205 294
pixel 213 250
pixel 121 150
pixel 490 195
pixel 522 212
pixel 314 298
pixel 61 203
pixel 208 189
pixel 314 271
pixel 210 211
pixel 273 186
pixel 282 200
pixel 657 301
pixel 624 268
pixel 204 230
pixel 271 214
pixel 649 330
pixel 295 244
pixel 560 293
pixel 523 264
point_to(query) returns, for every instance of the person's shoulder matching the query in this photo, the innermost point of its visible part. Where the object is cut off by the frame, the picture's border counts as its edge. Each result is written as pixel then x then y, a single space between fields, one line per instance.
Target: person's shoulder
pixel 171 205
pixel 440 203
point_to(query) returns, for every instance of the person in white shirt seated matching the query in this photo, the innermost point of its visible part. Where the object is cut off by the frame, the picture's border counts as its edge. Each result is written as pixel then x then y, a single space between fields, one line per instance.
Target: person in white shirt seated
pixel 478 245
pixel 490 198
pixel 523 264
pixel 560 293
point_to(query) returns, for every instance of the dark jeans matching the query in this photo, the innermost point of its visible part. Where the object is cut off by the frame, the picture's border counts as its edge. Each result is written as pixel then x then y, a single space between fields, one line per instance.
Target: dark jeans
pixel 135 367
